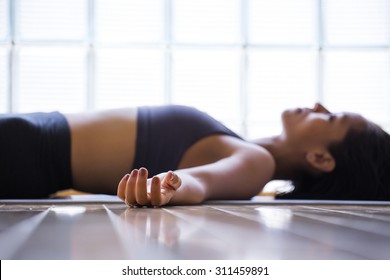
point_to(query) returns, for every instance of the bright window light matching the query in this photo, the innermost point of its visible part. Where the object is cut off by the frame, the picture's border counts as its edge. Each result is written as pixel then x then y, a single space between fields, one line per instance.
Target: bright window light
pixel 3 79
pixel 49 20
pixel 124 21
pixel 357 22
pixel 4 19
pixel 358 81
pixel 280 79
pixel 129 77
pixel 282 22
pixel 242 61
pixel 48 78
pixel 208 80
pixel 206 21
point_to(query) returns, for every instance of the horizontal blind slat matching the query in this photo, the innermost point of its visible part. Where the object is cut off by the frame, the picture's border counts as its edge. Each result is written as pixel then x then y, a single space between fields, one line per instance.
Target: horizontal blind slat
pixel 4 19
pixel 126 21
pixel 4 71
pixel 51 20
pixel 51 78
pixel 359 22
pixel 206 21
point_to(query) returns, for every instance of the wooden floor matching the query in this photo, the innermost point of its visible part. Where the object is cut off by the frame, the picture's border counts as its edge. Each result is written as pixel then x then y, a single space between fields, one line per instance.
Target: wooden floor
pixel 105 229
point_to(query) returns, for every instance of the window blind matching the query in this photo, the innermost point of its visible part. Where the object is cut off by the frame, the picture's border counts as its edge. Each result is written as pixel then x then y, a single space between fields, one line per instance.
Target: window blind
pixel 242 61
pixel 209 80
pixel 206 21
pixel 4 19
pixel 48 20
pixel 3 79
pixel 282 22
pixel 129 77
pixel 358 81
pixel 278 79
pixel 357 22
pixel 50 78
pixel 126 21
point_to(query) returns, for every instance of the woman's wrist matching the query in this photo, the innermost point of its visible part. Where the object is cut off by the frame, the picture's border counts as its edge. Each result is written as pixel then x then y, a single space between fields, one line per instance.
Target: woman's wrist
pixel 192 190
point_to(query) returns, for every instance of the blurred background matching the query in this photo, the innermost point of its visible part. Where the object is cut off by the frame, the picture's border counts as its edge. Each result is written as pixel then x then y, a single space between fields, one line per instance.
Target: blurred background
pixel 242 61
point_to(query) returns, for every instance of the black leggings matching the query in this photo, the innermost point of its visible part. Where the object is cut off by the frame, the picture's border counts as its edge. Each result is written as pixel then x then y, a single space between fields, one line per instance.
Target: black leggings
pixel 34 155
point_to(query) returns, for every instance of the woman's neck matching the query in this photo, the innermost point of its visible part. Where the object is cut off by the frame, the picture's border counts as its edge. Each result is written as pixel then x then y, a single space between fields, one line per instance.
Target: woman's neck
pixel 287 160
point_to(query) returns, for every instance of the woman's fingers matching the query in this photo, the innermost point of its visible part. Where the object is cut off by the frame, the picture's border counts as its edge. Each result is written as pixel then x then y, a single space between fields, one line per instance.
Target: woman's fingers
pixel 171 181
pixel 169 185
pixel 121 192
pixel 155 190
pixel 131 188
pixel 141 187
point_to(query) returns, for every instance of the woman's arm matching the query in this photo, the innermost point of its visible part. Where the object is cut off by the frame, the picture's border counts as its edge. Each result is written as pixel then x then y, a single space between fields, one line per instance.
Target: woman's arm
pixel 241 173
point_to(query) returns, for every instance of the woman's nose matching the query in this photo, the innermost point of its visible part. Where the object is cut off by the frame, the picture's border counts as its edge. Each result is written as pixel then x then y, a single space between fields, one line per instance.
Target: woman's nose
pixel 319 108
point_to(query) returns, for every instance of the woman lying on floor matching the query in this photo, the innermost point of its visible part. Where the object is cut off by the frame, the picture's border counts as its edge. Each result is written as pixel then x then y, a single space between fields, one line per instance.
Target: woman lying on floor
pixel 327 156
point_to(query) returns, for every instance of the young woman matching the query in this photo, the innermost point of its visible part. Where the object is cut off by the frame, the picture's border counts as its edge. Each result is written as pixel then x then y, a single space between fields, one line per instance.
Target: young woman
pixel 179 155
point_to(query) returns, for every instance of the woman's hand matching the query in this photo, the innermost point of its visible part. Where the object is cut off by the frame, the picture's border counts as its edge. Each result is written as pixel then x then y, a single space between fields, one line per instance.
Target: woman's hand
pixel 135 189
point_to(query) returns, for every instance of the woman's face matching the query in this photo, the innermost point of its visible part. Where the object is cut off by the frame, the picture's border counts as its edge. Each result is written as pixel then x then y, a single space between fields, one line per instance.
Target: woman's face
pixel 317 127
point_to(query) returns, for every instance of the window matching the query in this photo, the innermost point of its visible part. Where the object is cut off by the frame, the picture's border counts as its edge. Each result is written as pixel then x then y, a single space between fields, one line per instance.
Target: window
pixel 242 61
pixel 208 80
pixel 206 22
pixel 50 78
pixel 282 22
pixel 129 21
pixel 4 56
pixel 129 77
pixel 48 20
pixel 3 78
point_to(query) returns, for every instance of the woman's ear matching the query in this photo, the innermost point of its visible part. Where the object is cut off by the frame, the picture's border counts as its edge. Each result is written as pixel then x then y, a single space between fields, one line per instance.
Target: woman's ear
pixel 321 160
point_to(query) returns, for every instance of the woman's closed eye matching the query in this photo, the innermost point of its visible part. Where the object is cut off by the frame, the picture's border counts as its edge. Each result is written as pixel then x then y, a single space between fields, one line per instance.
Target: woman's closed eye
pixel 331 117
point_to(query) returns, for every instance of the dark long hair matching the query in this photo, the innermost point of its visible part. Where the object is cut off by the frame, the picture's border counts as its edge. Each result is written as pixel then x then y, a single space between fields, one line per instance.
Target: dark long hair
pixel 362 170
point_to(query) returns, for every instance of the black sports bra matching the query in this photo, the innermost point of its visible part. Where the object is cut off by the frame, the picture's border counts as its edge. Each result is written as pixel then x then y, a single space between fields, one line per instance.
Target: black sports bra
pixel 164 133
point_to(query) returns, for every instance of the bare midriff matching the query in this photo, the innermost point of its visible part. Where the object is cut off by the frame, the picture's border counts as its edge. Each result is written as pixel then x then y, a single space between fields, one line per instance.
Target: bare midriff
pixel 102 148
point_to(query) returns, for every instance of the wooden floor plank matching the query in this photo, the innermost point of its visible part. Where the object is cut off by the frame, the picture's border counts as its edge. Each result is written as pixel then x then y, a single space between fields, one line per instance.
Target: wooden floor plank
pixel 365 243
pixel 19 234
pixel 73 232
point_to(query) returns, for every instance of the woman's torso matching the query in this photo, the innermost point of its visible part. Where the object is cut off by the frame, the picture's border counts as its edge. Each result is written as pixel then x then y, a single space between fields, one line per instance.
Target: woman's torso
pixel 104 147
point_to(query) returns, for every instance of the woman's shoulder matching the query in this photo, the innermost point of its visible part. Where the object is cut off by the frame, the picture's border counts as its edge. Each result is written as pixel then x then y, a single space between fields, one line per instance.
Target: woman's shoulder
pixel 226 145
